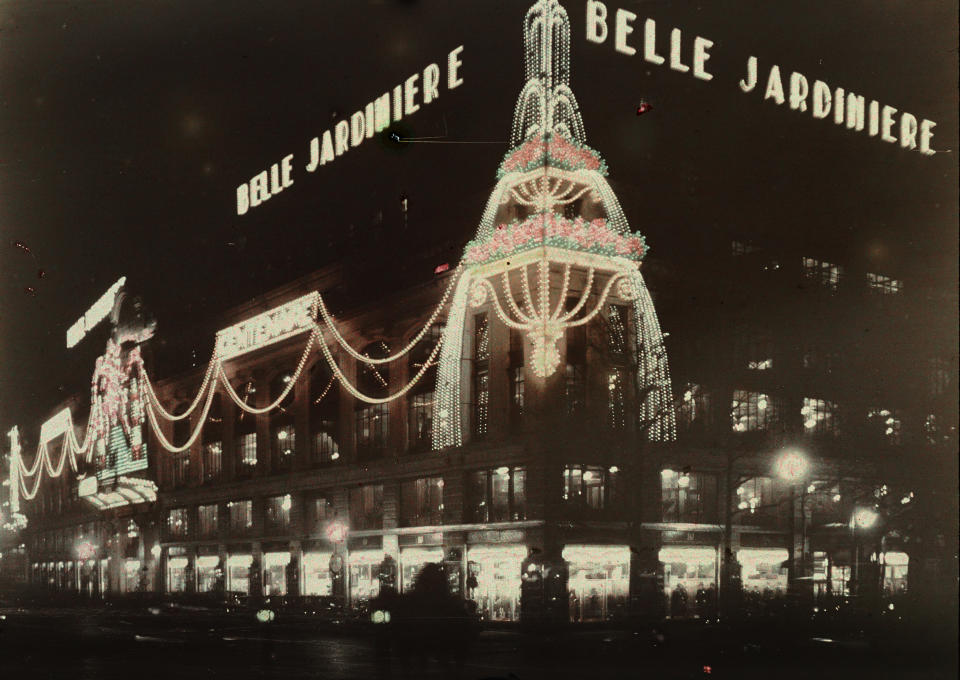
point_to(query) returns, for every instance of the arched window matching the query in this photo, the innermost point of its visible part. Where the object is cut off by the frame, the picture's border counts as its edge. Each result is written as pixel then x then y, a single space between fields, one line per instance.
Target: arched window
pixel 283 433
pixel 373 420
pixel 324 412
pixel 213 441
pixel 421 396
pixel 180 462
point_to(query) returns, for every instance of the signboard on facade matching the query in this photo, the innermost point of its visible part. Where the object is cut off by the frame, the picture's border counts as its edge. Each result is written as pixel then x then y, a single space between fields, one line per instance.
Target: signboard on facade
pixel 55 426
pixel 264 329
pixel 98 312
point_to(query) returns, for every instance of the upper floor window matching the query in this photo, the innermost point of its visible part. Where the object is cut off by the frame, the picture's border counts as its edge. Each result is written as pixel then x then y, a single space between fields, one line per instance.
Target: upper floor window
pixel 208 518
pixel 245 431
pixel 241 516
pixel 575 378
pixel 481 375
pixel 180 461
pixel 590 486
pixel 283 434
pixel 213 441
pixel 421 502
pixel 277 512
pixel 324 412
pixel 738 248
pixel 938 376
pixel 517 379
pixel 752 411
pixel 688 496
pixel 373 420
pixel 884 424
pixel 822 273
pixel 819 416
pixel 885 285
pixel 177 522
pixel 366 507
pixel 498 495
pixel 758 501
pixel 319 512
pixel 421 400
pixel 693 411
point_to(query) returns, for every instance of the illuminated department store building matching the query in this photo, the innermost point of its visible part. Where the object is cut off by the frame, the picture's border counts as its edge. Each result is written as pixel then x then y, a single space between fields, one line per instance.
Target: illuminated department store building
pixel 540 447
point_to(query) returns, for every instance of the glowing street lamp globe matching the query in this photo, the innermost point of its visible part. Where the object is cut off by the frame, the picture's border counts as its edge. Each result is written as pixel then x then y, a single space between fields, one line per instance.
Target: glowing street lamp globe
pixel 792 466
pixel 864 518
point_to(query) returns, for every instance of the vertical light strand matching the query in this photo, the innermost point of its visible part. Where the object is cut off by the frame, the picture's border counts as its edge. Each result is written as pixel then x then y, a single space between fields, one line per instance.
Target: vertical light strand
pixel 449 424
pixel 653 368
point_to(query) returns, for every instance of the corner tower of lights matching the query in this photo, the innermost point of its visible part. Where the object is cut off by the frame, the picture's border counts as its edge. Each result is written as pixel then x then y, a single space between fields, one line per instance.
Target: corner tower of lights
pixel 552 231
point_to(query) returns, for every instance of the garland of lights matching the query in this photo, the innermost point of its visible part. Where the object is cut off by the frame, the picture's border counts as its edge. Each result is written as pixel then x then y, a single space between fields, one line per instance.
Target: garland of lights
pixel 211 367
pixel 328 320
pixel 164 442
pixel 552 229
pixel 283 395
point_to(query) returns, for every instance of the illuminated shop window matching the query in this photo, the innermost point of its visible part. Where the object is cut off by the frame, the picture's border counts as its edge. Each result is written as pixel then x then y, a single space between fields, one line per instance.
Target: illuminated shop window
pixel 283 434
pixel 599 581
pixel 693 411
pixel 752 411
pixel 275 573
pixel 366 507
pixel 884 424
pixel 317 579
pixel 884 285
pixel 241 517
pixel 590 486
pixel 498 495
pixel 822 273
pixel 496 571
pixel 481 375
pixel 688 496
pixel 238 573
pixel 324 415
pixel 277 512
pixel 421 502
pixel 177 523
pixel 373 420
pixel 177 573
pixel 819 416
pixel 208 520
pixel 209 572
pixel 212 438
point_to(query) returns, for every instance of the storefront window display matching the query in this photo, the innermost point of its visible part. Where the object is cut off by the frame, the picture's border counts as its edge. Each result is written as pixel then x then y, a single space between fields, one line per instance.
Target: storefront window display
pixel 895 572
pixel 840 579
pixel 761 569
pixel 412 560
pixel 238 573
pixel 496 569
pixel 599 582
pixel 687 570
pixel 275 573
pixel 177 574
pixel 364 575
pixel 208 573
pixel 131 575
pixel 317 579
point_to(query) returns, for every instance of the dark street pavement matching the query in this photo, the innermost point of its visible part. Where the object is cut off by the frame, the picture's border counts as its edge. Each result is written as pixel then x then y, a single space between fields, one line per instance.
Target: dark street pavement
pixel 81 644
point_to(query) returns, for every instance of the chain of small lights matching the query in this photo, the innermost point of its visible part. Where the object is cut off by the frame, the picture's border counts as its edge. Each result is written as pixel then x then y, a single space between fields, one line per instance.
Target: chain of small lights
pixel 653 365
pixel 564 289
pixel 541 193
pixel 161 437
pixel 328 321
pixel 514 307
pixel 211 367
pixel 378 400
pixel 286 390
pixel 448 429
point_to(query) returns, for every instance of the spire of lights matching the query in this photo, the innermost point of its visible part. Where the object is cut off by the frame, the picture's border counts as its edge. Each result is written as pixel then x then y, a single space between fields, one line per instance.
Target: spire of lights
pixel 569 228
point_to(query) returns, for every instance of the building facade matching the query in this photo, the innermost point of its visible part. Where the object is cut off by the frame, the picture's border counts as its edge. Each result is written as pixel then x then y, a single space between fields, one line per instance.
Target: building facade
pixel 516 419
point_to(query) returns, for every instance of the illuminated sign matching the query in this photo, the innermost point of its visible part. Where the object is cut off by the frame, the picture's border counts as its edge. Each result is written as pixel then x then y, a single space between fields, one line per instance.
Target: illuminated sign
pixel 264 329
pixel 97 313
pixel 55 427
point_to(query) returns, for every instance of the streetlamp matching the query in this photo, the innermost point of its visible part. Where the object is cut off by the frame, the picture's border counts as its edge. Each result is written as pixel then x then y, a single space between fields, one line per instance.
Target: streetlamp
pixel 863 519
pixel 792 466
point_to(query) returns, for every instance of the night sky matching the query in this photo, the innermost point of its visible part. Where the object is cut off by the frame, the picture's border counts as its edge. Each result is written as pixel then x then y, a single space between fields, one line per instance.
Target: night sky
pixel 125 128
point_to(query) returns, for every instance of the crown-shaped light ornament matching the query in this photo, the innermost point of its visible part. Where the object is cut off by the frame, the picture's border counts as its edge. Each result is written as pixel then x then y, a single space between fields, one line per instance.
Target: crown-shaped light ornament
pixel 552 231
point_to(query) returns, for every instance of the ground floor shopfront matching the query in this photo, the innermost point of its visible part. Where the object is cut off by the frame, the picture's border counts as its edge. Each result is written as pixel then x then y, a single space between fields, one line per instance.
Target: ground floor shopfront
pixel 600 580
